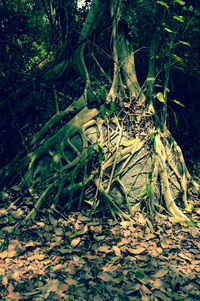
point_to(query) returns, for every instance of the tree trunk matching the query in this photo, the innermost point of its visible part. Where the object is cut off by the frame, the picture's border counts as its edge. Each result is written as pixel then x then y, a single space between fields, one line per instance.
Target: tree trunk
pixel 114 161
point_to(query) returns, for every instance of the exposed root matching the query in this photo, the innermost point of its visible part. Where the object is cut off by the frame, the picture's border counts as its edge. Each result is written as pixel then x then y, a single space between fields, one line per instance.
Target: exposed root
pixel 165 187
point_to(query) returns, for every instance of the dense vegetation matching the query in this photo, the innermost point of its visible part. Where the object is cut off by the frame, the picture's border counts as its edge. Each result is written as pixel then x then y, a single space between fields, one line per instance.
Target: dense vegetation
pixel 128 70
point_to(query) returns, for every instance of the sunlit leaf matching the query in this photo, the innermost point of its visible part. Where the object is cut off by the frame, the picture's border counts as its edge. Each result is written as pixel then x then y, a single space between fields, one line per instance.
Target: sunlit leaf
pixel 177 58
pixel 179 18
pixel 184 43
pixel 163 3
pixel 117 251
pixel 75 242
pixel 178 103
pixel 167 29
pixel 189 207
pixel 128 142
pixel 160 97
pixel 180 2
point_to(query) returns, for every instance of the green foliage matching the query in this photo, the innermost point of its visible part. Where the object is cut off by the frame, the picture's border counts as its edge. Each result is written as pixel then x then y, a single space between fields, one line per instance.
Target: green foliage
pixel 98 99
pixel 160 97
pixel 101 95
pixel 163 4
pixel 148 190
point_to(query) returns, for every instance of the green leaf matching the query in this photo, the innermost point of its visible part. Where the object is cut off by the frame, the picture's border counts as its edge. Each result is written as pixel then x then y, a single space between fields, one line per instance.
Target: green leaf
pixel 128 142
pixel 189 207
pixel 148 190
pixel 180 2
pixel 90 96
pixel 152 137
pixel 163 3
pixel 175 119
pixel 103 110
pixel 160 97
pixel 98 98
pixel 90 152
pixel 139 275
pixel 112 108
pixel 178 103
pixel 177 58
pixel 100 157
pixel 179 18
pixel 167 29
pixel 103 93
pixel 185 43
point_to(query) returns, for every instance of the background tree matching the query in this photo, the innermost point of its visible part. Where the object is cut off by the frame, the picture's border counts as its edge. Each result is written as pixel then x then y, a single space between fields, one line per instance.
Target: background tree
pixel 110 146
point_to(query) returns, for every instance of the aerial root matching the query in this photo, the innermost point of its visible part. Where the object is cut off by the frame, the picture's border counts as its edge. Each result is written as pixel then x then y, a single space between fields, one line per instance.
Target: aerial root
pixel 164 179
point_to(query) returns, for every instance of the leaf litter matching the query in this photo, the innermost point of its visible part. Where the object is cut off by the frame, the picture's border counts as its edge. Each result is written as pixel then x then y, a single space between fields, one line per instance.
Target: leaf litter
pixel 85 258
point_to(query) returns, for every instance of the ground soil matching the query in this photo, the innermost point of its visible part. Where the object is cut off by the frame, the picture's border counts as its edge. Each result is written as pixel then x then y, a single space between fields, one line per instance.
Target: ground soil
pixel 87 257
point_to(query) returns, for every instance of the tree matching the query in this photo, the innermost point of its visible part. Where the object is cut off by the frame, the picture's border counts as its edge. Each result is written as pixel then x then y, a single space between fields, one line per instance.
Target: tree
pixel 115 152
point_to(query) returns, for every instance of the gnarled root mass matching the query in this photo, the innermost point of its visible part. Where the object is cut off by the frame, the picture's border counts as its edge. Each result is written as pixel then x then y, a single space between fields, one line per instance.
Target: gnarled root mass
pixel 105 164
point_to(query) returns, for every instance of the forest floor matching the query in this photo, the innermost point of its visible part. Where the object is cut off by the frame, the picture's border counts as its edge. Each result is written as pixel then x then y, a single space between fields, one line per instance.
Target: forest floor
pixel 85 257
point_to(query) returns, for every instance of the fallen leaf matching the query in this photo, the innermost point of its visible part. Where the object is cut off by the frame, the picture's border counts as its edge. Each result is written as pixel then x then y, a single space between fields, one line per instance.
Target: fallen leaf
pixel 182 255
pixel 161 273
pixel 96 229
pixel 52 220
pixel 110 268
pixel 71 281
pixel 83 218
pixel 5 281
pixel 75 242
pixel 117 251
pixel 136 251
pixel 105 277
pixel 8 254
pixel 105 249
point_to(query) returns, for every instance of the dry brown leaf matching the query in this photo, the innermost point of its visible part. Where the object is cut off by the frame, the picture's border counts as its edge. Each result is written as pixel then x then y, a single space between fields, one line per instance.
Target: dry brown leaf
pixel 75 242
pixel 161 273
pixel 117 251
pixel 125 224
pixel 65 251
pixel 97 298
pixel 141 219
pixel 5 281
pixel 8 229
pixel 149 236
pixel 36 257
pixel 71 269
pixel 8 254
pixel 14 296
pixel 123 241
pixel 157 284
pixel 105 249
pixel 146 290
pixel 184 256
pixel 96 229
pixel 156 252
pixel 83 218
pixel 136 251
pixel 58 267
pixel 52 220
pixel 105 277
pixel 110 269
pixel 71 281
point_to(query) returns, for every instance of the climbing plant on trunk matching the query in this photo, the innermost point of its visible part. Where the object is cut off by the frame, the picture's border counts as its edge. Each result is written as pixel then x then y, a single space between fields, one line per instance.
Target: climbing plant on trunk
pixel 115 152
